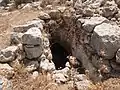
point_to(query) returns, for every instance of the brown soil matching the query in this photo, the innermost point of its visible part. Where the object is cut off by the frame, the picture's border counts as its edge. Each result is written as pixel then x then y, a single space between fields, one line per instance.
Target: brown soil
pixel 9 19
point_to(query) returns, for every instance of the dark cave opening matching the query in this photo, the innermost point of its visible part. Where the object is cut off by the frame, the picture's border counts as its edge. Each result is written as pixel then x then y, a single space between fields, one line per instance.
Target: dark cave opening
pixel 59 55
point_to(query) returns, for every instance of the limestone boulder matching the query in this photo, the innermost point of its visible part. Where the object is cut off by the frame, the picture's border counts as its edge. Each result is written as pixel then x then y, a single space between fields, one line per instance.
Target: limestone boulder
pixel 32 37
pixel 106 40
pixel 23 28
pixel 89 24
pixel 8 54
pixel 32 51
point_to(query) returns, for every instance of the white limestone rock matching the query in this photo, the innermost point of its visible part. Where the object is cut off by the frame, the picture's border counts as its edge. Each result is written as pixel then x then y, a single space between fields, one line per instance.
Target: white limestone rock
pixel 106 40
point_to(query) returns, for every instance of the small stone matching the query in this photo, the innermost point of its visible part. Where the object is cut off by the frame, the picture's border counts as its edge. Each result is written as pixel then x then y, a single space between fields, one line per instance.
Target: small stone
pixel 88 12
pixel 46 43
pixel 55 14
pixel 50 57
pixel 44 16
pixel 16 37
pixel 8 54
pixel 59 78
pixel 46 65
pixel 35 74
pixel 31 66
pixel 6 70
pixel 109 11
pixel 83 85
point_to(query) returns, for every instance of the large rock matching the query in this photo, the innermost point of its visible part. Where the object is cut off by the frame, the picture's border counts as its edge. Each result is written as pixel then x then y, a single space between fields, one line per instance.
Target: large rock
pixel 106 40
pixel 33 51
pixel 8 54
pixel 89 24
pixel 4 2
pixel 32 37
pixel 28 25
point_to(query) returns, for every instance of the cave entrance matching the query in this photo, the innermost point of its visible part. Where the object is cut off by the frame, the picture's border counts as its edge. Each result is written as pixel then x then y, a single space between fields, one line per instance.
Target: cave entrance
pixel 59 56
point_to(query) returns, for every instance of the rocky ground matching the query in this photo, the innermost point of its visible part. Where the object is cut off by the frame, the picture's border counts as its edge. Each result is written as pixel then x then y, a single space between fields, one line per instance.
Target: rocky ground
pixel 61 44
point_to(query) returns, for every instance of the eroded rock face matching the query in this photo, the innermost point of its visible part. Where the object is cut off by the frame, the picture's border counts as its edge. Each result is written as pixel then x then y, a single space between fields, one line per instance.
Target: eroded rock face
pixel 32 37
pixel 23 28
pixel 8 54
pixel 105 40
pixel 32 41
pixel 89 24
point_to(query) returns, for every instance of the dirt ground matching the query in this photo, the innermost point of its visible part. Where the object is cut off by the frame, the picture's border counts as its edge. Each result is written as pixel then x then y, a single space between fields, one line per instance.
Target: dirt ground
pixel 9 19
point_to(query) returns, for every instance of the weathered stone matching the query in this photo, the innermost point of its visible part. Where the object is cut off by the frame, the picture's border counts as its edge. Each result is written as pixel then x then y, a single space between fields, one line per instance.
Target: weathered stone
pixel 28 25
pixel 31 66
pixel 46 65
pixel 118 56
pixel 46 43
pixel 78 4
pixel 59 78
pixel 55 14
pixel 105 40
pixel 44 16
pixel 35 74
pixel 16 38
pixel 32 37
pixel 89 24
pixel 4 2
pixel 6 70
pixel 27 7
pixel 80 77
pixel 88 12
pixel 109 11
pixel 33 51
pixel 83 85
pixel 8 54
